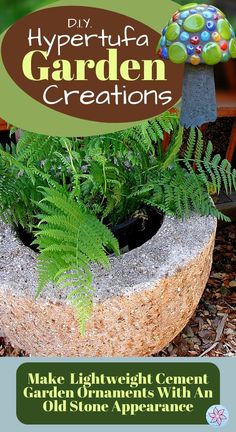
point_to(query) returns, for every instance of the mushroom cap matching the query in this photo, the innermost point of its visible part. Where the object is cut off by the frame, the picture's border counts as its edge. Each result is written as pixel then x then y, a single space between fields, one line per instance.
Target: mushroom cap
pixel 198 34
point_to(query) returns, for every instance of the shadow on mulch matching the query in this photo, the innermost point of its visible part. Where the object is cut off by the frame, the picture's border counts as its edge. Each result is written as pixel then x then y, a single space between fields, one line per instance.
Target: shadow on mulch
pixel 211 332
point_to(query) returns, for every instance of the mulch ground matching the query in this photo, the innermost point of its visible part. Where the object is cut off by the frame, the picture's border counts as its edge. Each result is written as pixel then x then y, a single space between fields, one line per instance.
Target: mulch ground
pixel 211 331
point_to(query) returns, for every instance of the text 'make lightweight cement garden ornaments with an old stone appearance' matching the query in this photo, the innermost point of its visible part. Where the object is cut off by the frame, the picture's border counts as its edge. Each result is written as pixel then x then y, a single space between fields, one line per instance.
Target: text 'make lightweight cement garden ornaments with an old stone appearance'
pixel 201 37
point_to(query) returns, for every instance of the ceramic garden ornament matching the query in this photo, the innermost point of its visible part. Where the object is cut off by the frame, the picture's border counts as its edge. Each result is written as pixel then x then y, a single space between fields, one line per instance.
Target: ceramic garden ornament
pixel 199 36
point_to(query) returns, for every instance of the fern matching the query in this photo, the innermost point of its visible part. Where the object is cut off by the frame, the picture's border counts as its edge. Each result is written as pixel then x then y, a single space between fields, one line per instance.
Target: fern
pixel 213 171
pixel 173 149
pixel 191 144
pixel 177 189
pixel 70 239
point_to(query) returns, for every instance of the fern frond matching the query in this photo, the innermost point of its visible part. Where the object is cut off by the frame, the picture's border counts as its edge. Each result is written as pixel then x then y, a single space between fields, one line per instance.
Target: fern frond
pixel 173 149
pixel 199 146
pixel 190 145
pixel 69 240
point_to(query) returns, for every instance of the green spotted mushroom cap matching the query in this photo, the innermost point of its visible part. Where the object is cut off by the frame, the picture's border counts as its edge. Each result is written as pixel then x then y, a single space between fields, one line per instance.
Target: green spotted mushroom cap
pixel 198 34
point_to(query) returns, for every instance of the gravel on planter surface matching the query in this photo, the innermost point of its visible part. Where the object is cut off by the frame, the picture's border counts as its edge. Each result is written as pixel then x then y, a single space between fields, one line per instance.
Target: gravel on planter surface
pixel 211 332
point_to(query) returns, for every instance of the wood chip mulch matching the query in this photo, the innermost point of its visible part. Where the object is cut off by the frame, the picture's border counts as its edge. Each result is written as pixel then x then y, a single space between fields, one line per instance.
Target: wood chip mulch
pixel 6 350
pixel 211 331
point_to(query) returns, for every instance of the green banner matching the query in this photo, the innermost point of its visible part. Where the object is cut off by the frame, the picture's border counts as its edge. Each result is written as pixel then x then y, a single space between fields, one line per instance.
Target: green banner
pixel 116 393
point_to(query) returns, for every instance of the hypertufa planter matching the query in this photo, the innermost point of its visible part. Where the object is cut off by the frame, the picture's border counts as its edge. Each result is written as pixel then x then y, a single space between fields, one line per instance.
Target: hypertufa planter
pixel 142 302
pixel 199 36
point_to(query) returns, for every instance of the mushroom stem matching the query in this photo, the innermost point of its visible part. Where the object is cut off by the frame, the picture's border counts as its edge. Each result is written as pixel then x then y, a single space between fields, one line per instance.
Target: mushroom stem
pixel 199 96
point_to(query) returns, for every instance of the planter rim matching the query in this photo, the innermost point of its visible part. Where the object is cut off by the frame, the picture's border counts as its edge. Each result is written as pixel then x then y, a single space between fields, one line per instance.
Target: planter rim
pixel 175 245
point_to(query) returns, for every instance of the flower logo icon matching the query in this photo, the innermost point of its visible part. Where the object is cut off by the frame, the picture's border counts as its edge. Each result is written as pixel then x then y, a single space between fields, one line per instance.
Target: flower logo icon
pixel 217 416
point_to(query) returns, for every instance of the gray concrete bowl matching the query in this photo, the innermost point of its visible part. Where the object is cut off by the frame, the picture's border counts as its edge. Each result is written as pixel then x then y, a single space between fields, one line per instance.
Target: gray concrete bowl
pixel 142 302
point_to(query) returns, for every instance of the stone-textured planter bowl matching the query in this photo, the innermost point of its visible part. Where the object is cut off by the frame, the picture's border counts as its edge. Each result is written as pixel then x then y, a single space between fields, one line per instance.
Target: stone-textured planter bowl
pixel 142 302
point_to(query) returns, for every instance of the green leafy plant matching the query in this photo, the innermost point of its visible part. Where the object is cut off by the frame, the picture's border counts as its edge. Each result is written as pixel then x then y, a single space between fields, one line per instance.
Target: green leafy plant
pixel 69 239
pixel 179 185
pixel 69 192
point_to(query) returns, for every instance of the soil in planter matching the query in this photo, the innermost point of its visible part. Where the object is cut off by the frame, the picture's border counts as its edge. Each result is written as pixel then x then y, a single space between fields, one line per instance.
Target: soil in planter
pixel 137 230
pixel 130 234
pixel 6 138
pixel 26 237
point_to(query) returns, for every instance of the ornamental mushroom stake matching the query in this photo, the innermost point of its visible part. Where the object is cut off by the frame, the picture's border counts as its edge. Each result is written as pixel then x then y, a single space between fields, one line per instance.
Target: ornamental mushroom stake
pixel 201 37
